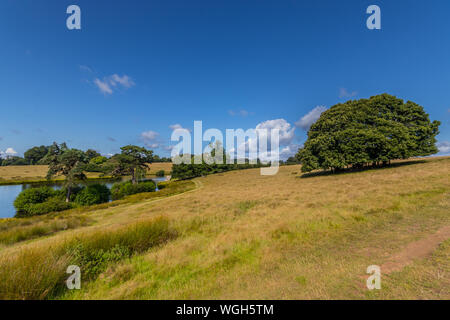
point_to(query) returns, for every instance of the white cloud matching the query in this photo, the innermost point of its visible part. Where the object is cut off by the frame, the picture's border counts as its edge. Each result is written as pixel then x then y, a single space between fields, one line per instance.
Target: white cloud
pixel 9 152
pixel 344 93
pixel 177 126
pixel 125 80
pixel 103 86
pixel 289 151
pixel 444 146
pixel 286 132
pixel 307 120
pixel 108 84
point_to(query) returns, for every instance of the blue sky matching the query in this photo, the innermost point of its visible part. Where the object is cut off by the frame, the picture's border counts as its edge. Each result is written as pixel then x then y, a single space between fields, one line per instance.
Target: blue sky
pixel 138 67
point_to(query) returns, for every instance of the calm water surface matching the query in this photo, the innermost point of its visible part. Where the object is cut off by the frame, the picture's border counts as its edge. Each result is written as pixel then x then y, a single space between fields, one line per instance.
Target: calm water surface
pixel 9 193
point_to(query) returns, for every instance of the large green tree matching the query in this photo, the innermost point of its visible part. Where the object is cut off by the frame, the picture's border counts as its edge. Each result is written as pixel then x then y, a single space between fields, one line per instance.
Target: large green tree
pixel 133 161
pixel 67 162
pixel 368 131
pixel 35 154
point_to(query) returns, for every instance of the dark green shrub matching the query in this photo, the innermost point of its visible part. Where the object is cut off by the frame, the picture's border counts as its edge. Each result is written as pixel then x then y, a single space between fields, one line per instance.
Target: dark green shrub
pixel 93 194
pixel 122 189
pixel 53 204
pixel 160 173
pixel 93 167
pixel 94 262
pixel 32 196
pixel 42 200
pixel 163 184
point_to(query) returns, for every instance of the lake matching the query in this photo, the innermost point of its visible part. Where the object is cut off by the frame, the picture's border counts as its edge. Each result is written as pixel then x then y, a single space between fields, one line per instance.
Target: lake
pixel 9 193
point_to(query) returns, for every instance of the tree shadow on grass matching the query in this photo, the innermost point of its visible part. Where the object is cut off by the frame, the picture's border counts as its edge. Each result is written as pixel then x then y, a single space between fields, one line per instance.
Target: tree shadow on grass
pixel 353 170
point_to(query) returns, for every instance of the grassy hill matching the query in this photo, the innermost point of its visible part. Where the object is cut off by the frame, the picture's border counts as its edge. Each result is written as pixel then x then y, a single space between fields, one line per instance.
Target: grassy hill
pixel 247 236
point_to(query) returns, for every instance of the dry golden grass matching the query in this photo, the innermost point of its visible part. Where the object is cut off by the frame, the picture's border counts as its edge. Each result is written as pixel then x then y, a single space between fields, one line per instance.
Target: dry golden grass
pixel 23 172
pixel 243 235
pixel 155 167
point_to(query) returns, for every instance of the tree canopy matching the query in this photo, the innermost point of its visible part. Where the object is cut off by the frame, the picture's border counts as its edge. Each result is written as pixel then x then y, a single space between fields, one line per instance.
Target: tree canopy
pixel 67 162
pixel 35 154
pixel 132 161
pixel 368 131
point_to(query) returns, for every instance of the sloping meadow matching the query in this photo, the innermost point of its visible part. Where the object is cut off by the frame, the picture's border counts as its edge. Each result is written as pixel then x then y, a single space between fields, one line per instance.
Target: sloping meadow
pixel 38 271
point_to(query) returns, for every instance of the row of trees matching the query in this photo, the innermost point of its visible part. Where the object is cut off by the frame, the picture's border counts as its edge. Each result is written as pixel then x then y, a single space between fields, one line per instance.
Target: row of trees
pixel 72 164
pixel 368 132
pixel 41 154
pixel 191 170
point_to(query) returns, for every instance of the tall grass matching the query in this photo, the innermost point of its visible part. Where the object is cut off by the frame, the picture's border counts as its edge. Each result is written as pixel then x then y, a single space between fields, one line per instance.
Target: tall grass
pixel 15 230
pixel 39 272
pixel 23 231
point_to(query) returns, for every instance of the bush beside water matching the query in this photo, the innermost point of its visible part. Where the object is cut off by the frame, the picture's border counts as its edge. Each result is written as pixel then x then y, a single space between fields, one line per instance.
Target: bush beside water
pixel 42 200
pixel 122 189
pixel 93 194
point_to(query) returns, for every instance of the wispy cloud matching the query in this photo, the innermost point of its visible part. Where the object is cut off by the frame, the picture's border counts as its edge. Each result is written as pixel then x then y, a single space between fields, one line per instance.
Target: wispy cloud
pixel 443 146
pixel 85 68
pixel 307 120
pixel 242 113
pixel 149 135
pixel 344 93
pixel 150 139
pixel 103 86
pixel 109 84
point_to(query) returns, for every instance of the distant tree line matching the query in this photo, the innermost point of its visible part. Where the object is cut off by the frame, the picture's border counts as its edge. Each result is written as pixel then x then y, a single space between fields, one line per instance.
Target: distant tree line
pixel 39 156
pixel 290 161
pixel 191 170
pixel 72 164
pixel 368 132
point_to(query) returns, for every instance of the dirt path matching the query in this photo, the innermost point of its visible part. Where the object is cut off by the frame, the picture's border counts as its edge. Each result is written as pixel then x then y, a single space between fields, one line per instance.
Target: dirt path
pixel 416 250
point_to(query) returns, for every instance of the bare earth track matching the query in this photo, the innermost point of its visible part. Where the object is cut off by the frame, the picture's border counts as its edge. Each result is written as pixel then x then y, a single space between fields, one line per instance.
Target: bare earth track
pixel 416 250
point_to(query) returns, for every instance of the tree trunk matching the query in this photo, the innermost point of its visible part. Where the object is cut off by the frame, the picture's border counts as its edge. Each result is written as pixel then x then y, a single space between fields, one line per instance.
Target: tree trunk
pixel 133 176
pixel 69 191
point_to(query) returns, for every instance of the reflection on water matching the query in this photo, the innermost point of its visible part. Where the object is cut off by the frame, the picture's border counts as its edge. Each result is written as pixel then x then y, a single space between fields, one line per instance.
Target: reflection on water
pixel 9 193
